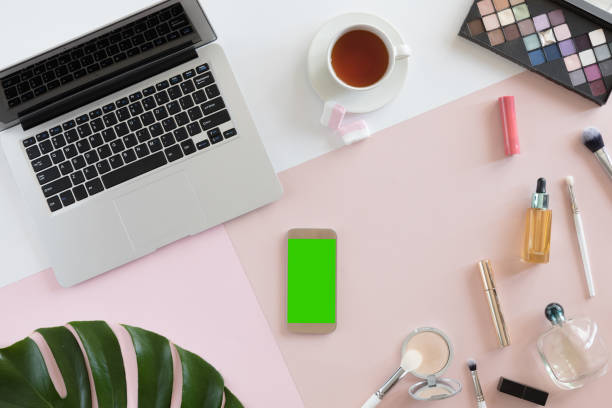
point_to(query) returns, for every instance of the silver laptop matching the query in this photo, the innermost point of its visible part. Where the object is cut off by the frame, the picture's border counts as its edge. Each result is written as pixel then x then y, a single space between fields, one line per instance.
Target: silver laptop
pixel 133 136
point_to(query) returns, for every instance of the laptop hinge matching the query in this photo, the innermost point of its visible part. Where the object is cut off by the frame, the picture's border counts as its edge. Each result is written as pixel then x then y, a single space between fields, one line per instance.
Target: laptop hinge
pixel 101 89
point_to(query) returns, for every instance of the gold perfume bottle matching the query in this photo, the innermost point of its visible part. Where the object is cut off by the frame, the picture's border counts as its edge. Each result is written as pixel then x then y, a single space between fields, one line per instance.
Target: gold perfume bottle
pixel 536 243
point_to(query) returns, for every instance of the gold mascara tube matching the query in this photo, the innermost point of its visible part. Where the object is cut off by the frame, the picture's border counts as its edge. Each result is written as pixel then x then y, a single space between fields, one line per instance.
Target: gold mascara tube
pixel 486 272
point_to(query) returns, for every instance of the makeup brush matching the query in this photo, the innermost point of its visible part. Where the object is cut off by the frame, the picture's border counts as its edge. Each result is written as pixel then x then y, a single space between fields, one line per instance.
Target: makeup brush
pixel 591 137
pixel 581 239
pixel 479 397
pixel 411 360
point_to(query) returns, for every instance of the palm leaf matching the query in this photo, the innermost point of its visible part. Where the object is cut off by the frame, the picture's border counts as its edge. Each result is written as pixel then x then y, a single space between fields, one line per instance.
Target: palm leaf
pixel 25 380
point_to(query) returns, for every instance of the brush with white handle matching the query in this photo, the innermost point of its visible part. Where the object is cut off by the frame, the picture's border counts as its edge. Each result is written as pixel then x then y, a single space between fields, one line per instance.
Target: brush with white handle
pixel 581 239
pixel 480 401
pixel 411 360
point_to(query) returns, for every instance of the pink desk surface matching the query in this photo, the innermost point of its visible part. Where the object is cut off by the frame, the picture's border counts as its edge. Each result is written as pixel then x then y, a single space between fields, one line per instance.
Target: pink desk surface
pixel 193 292
pixel 415 207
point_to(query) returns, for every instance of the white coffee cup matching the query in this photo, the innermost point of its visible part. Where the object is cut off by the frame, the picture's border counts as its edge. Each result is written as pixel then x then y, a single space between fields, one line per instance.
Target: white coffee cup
pixel 395 52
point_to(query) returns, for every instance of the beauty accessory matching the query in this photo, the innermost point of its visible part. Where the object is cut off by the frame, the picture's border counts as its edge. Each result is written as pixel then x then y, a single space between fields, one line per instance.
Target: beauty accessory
pixel 411 360
pixel 522 391
pixel 536 242
pixel 584 253
pixel 508 117
pixel 592 139
pixel 573 350
pixel 567 47
pixel 486 272
pixel 480 401
pixel 436 351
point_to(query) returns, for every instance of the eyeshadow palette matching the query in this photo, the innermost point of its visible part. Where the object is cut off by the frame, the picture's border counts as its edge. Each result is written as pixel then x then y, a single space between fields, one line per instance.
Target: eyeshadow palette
pixel 546 38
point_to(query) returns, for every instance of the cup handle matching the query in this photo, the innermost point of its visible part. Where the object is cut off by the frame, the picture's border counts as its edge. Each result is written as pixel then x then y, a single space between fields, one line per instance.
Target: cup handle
pixel 402 51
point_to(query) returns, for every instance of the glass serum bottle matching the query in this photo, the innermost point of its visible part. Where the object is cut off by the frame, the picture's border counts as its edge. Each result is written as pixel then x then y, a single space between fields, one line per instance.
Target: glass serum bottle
pixel 573 350
pixel 536 242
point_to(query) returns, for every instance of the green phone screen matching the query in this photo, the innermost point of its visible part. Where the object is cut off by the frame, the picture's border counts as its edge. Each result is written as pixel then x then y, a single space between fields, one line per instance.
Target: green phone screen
pixel 311 281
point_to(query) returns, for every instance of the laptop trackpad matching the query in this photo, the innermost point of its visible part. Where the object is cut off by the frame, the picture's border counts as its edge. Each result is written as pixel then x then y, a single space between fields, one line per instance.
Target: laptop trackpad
pixel 161 212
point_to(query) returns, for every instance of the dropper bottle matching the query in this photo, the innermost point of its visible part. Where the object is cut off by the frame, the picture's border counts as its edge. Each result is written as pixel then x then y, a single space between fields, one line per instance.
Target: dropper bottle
pixel 536 242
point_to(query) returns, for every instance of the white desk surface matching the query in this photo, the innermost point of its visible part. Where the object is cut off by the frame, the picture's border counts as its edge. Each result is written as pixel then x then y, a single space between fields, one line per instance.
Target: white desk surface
pixel 266 42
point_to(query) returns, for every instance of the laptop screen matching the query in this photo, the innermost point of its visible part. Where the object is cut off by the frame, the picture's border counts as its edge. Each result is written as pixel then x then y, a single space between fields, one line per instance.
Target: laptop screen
pixel 138 39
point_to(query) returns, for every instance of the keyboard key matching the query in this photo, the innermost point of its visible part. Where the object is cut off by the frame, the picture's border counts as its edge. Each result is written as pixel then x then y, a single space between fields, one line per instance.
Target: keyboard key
pixel 67 198
pixel 108 108
pixel 95 113
pixel 104 151
pixel 193 128
pixel 128 155
pixel 66 168
pixel 143 135
pixel 187 86
pixel 42 136
pixel 27 96
pixel 133 170
pixel 212 91
pixel 109 134
pixel 46 146
pixel 135 96
pixel 33 152
pixel 122 114
pixel 154 145
pixel 90 172
pixel 173 153
pixel 57 156
pixel 147 118
pixel 173 108
pixel 117 146
pixel 82 119
pixel 182 119
pixel 29 141
pixel 134 124
pixel 195 113
pixel 77 177
pixel 167 139
pixel 91 157
pixel 202 68
pixel 48 175
pixel 215 119
pixel 188 74
pixel 115 161
pixel 122 102
pixel 161 97
pixel 215 135
pixel 188 147
pixel 53 84
pixel 95 140
pixel 175 79
pixel 84 130
pixel 78 162
pixel 204 80
pixel 71 136
pixel 186 102
pixel 162 85
pixel 203 144
pixel 58 141
pixel 54 203
pixel 212 105
pixel 103 167
pixel 180 134
pixel 55 130
pixel 41 163
pixel 94 186
pixel 83 145
pixel 156 129
pixel 130 140
pixel 160 113
pixel 174 92
pixel 80 192
pixel 65 79
pixel 68 125
pixel 40 90
pixel 141 150
pixel 122 129
pixel 97 124
pixel 148 103
pixel 78 74
pixel 136 108
pixel 148 91
pixel 168 124
pixel 199 96
pixel 70 151
pixel 56 186
pixel 229 133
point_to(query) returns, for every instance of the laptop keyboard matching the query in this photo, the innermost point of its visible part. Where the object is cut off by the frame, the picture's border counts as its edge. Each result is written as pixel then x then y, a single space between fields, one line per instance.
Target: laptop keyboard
pixel 127 138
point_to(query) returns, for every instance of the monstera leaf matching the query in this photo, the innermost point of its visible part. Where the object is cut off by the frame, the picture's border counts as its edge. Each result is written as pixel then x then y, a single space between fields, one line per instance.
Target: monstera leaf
pixel 91 364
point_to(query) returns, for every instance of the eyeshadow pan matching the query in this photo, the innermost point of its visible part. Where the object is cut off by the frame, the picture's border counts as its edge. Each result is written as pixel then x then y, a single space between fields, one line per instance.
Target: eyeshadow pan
pixel 496 37
pixel 531 42
pixel 485 7
pixel 572 62
pixel 541 22
pixel 598 87
pixel 501 4
pixel 547 37
pixel 556 17
pixel 562 32
pixel 592 72
pixel 506 17
pixel 602 52
pixel 552 52
pixel 476 27
pixel 582 42
pixel 597 37
pixel 587 57
pixel 515 2
pixel 521 12
pixel 606 67
pixel 567 47
pixel 511 32
pixel 490 22
pixel 537 57
pixel 577 77
pixel 526 27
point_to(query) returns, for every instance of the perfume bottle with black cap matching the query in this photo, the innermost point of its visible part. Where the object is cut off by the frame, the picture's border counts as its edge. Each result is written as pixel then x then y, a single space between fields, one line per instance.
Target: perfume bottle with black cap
pixel 536 243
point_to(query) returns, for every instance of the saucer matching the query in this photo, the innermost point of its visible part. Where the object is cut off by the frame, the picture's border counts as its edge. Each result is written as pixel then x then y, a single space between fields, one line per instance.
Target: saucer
pixel 329 90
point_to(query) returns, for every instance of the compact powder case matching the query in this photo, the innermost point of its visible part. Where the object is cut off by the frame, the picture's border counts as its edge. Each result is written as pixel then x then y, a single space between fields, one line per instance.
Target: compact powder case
pixel 437 352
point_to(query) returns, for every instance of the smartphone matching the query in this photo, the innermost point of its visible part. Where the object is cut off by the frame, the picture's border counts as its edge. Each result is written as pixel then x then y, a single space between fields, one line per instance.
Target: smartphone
pixel 311 280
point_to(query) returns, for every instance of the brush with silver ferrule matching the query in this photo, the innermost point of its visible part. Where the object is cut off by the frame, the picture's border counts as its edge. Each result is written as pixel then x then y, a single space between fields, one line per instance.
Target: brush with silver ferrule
pixel 592 139
pixel 479 396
